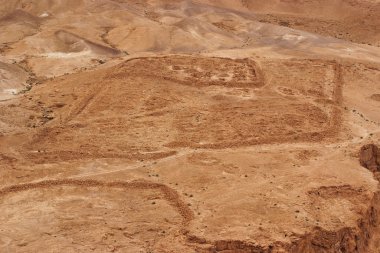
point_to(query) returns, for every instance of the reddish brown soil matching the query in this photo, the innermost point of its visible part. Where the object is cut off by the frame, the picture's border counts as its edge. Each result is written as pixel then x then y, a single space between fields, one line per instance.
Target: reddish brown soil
pixel 189 126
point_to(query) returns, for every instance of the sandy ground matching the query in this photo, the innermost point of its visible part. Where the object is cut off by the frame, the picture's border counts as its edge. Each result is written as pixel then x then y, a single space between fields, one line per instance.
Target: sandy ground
pixel 188 126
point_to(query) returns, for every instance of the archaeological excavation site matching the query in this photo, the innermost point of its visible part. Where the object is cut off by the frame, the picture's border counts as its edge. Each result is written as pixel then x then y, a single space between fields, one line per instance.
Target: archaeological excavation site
pixel 190 126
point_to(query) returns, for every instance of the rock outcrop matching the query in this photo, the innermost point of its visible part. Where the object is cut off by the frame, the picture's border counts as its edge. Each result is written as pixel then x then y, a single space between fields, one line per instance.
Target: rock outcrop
pixel 370 157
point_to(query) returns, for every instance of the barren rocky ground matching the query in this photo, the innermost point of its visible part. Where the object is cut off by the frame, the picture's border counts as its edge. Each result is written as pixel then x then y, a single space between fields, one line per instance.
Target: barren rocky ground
pixel 190 126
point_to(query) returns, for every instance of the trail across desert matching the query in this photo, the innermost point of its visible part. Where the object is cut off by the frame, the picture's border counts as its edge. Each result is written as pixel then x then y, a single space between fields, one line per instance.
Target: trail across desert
pixel 190 126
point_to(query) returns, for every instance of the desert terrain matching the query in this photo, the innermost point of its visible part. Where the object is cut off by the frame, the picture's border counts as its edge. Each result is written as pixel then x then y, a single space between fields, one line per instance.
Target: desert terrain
pixel 190 126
